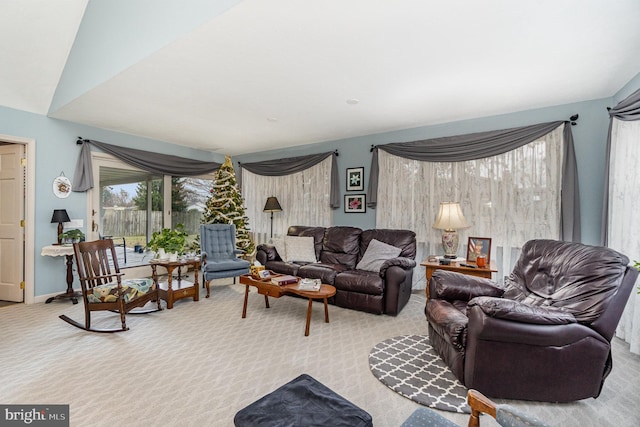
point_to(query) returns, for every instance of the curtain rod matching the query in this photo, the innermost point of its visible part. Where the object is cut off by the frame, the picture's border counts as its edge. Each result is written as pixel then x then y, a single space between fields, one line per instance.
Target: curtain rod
pixel 574 119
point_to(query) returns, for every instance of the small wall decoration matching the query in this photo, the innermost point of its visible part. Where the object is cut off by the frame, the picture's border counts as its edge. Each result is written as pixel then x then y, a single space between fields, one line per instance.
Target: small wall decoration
pixel 62 186
pixel 355 179
pixel 355 203
pixel 478 246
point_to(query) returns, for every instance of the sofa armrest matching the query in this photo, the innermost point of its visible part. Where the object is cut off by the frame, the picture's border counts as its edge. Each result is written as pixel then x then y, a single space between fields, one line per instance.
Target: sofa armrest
pixel 269 253
pixel 402 262
pixel 520 312
pixel 450 285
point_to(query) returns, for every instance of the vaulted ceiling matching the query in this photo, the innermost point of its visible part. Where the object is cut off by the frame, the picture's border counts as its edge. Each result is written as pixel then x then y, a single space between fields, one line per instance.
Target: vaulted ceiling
pixel 236 76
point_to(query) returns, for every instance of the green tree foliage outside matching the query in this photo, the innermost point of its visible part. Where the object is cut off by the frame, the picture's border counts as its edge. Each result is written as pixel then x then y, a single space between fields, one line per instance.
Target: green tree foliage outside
pixel 179 195
pixel 226 206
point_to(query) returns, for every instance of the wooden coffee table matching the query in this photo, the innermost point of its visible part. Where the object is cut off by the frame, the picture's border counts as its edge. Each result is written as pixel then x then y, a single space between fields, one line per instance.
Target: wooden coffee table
pixel 266 288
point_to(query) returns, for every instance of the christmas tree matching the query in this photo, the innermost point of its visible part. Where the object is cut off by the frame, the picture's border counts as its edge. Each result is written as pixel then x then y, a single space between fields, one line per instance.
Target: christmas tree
pixel 226 206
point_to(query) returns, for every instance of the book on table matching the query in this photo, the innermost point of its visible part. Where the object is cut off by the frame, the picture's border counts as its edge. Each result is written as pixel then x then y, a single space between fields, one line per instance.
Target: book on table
pixel 309 284
pixel 284 280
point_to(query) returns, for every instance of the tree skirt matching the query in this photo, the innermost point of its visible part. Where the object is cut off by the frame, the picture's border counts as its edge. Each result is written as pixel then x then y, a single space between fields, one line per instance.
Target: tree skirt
pixel 408 365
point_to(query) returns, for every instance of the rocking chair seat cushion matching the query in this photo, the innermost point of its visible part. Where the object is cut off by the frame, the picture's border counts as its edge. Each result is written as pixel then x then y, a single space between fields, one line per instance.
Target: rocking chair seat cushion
pixel 131 289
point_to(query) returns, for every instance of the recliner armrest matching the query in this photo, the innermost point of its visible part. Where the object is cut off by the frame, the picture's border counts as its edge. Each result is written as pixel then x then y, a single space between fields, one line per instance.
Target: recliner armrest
pixel 519 312
pixel 450 285
pixel 402 262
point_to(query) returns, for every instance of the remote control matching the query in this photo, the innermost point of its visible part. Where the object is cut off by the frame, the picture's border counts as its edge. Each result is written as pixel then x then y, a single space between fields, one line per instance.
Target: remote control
pixel 468 265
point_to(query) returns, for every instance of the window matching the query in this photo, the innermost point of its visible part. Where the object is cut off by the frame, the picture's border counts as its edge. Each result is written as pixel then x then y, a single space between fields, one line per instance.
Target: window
pixel 130 203
pixel 304 197
pixel 511 198
pixel 624 202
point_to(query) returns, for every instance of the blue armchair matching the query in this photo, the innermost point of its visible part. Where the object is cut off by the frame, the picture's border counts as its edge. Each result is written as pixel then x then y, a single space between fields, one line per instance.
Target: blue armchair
pixel 219 253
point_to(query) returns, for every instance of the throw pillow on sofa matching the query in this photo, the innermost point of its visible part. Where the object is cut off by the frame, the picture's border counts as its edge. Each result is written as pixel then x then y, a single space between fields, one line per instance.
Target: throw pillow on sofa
pixel 278 243
pixel 299 248
pixel 376 254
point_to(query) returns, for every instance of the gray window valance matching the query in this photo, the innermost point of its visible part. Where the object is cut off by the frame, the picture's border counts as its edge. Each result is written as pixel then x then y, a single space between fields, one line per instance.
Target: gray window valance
pixel 479 145
pixel 627 110
pixel 281 167
pixel 162 164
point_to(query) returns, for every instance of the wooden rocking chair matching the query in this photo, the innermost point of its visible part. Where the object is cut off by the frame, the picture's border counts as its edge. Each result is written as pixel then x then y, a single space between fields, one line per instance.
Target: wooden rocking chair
pixel 103 287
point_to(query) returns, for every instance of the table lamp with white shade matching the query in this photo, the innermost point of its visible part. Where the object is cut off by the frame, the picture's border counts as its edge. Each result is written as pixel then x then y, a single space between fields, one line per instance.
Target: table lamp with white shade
pixel 450 218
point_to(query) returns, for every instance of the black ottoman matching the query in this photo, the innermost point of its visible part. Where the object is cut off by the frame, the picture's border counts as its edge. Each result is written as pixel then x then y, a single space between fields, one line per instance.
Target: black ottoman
pixel 302 402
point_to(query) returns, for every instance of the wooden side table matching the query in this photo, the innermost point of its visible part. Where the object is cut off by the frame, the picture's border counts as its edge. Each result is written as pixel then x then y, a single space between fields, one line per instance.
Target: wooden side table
pixel 66 251
pixel 179 290
pixel 431 266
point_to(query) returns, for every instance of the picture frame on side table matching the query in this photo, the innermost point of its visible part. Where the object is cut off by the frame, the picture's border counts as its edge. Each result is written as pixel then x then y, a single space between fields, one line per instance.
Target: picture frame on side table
pixel 355 179
pixel 478 246
pixel 355 203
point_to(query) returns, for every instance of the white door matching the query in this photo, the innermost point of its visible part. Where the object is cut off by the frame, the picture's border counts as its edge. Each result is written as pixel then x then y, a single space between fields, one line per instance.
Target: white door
pixel 11 213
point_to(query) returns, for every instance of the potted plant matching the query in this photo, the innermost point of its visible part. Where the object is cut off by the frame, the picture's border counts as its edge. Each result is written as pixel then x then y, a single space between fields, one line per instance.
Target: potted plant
pixel 71 236
pixel 168 241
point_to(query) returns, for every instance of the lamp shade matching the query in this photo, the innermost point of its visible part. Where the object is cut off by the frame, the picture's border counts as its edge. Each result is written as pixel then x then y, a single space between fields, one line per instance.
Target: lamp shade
pixel 450 217
pixel 60 215
pixel 272 205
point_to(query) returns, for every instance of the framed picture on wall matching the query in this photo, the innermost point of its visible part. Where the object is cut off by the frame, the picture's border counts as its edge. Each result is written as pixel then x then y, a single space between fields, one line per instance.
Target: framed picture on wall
pixel 355 179
pixel 478 246
pixel 355 203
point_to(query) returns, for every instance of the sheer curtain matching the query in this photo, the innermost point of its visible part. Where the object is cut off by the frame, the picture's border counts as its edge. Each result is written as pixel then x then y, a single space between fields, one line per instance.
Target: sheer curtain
pixel 511 198
pixel 304 197
pixel 624 204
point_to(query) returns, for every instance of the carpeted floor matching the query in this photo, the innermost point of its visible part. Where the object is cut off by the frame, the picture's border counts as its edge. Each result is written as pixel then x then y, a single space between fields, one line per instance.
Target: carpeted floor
pixel 200 363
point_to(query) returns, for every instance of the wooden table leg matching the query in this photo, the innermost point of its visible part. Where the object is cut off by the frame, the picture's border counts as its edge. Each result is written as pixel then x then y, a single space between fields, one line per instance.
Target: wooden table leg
pixel 306 329
pixel 170 269
pixel 196 286
pixel 326 311
pixel 246 297
pixel 266 301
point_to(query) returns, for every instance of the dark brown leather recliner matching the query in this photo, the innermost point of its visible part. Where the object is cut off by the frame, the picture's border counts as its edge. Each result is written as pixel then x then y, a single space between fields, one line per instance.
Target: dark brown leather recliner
pixel 546 335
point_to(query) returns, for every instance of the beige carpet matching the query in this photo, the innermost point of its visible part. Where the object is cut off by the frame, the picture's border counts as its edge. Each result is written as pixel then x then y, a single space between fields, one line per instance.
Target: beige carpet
pixel 199 363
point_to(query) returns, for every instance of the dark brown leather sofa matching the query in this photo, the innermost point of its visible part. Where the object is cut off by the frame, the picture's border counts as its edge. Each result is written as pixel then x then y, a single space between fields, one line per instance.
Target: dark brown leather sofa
pixel 546 335
pixel 339 249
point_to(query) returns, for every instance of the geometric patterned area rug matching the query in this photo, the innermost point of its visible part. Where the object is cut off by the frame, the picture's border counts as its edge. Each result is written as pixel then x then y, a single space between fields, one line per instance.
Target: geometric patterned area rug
pixel 408 365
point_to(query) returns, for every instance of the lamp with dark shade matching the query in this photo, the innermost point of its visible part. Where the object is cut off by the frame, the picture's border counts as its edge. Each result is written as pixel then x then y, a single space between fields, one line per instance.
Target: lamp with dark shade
pixel 272 206
pixel 449 219
pixel 60 216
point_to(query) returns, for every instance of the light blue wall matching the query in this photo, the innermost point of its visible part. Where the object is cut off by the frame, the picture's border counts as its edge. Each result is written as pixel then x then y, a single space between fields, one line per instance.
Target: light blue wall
pixel 589 138
pixel 57 151
pixel 627 90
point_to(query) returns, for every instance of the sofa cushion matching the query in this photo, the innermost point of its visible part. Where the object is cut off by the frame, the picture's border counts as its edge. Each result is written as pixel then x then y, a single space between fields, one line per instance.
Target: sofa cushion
pixel 278 243
pixel 283 267
pixel 361 281
pixel 316 232
pixel 403 239
pixel 341 246
pixel 377 253
pixel 300 249
pixel 325 272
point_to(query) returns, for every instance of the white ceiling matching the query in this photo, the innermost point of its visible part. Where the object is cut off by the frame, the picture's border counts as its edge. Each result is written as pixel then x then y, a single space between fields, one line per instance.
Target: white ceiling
pixel 273 74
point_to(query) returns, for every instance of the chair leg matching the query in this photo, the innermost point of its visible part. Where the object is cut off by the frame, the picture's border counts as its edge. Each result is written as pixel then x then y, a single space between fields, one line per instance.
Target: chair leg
pixel 87 317
pixel 208 285
pixel 122 316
